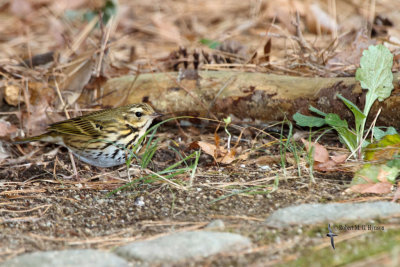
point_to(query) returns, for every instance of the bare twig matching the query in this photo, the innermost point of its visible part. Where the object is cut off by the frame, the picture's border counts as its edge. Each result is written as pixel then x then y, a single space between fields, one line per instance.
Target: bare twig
pixel 71 156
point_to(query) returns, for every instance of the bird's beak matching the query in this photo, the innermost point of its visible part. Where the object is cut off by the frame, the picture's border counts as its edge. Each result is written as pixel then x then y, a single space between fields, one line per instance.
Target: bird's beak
pixel 156 115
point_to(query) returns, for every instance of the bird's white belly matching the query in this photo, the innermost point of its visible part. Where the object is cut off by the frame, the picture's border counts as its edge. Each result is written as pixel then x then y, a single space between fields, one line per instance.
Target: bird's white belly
pixel 108 157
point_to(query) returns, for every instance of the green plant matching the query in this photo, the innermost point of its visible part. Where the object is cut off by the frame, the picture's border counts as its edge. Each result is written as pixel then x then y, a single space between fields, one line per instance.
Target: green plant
pixel 210 43
pixel 287 144
pixel 166 174
pixel 310 159
pixel 108 10
pixel 376 76
pixel 150 149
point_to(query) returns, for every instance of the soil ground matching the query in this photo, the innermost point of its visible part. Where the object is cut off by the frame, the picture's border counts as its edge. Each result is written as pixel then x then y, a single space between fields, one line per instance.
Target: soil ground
pixel 41 212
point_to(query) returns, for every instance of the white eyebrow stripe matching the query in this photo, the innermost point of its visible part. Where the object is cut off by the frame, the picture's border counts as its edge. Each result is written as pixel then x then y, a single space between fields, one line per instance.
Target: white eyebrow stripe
pixel 136 109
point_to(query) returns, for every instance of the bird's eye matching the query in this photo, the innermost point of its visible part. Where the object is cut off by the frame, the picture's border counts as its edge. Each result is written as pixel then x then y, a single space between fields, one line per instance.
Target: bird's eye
pixel 138 114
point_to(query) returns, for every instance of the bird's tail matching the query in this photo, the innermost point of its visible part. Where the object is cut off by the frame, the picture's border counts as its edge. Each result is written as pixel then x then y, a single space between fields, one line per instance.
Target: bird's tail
pixel 29 139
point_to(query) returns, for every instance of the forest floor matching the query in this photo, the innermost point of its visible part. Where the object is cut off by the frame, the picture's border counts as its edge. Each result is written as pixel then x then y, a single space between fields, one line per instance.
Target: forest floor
pixel 44 208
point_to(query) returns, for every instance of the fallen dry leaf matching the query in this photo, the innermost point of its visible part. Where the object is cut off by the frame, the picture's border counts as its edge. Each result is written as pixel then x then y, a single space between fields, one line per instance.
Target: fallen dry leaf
pixel 12 95
pixel 39 92
pixel 322 160
pixel 77 76
pixel 325 166
pixel 6 128
pixel 320 153
pixel 385 149
pixel 273 159
pixel 340 158
pixel 267 160
pixel 373 179
pixel 3 153
pixel 39 117
pixel 376 188
pixel 229 157
pixel 207 148
pixel 220 154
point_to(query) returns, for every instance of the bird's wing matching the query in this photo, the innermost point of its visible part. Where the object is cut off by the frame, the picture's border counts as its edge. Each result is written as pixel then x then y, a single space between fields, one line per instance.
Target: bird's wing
pixel 332 242
pixel 88 125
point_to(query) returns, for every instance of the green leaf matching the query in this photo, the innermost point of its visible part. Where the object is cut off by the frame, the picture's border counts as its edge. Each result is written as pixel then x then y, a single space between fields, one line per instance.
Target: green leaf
pixel 346 136
pixel 308 121
pixel 394 163
pixel 88 16
pixel 375 72
pixel 149 153
pixel 375 173
pixel 228 120
pixel 387 148
pixel 350 139
pixel 379 134
pixel 109 10
pixel 334 120
pixel 391 130
pixel 128 162
pixel 356 111
pixel 210 43
pixel 359 116
pixel 315 110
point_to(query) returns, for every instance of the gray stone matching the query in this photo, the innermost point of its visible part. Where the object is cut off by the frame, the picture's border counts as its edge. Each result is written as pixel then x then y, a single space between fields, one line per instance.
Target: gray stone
pixel 182 246
pixel 66 258
pixel 332 212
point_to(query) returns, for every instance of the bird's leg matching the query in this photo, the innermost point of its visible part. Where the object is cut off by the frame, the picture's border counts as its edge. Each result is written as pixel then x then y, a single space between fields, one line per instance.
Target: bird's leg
pixel 71 156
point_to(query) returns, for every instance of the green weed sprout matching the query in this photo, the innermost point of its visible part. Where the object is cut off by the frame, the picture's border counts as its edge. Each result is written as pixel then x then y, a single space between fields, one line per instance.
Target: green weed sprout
pixel 375 75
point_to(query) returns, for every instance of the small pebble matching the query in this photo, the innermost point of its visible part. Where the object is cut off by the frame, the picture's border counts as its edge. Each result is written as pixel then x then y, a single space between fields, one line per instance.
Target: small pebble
pixel 139 201
pixel 265 168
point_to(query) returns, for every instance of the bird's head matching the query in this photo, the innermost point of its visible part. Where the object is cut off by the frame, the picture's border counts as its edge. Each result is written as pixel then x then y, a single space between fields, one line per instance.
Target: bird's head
pixel 139 115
